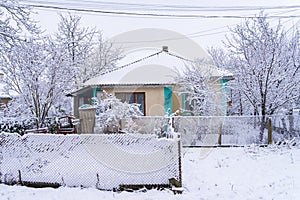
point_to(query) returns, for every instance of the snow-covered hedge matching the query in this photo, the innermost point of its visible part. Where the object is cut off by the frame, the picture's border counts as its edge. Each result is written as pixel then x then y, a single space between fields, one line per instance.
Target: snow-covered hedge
pixel 13 125
pixel 104 161
pixel 17 125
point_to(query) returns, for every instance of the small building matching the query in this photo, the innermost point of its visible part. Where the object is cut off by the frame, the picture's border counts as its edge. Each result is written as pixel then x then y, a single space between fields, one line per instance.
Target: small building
pixel 4 99
pixel 4 96
pixel 147 79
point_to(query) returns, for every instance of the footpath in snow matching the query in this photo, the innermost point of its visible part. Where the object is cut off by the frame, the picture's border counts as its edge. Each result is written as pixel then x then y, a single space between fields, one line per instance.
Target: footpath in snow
pixel 208 173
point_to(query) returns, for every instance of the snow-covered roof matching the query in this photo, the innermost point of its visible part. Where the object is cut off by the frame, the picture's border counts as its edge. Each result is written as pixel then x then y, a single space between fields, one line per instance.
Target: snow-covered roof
pixel 150 67
pixel 3 95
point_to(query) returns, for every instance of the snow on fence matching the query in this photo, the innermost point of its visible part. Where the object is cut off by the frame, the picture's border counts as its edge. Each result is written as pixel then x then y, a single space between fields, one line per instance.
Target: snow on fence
pixel 286 126
pixel 216 130
pixel 222 130
pixel 89 160
pixel 234 130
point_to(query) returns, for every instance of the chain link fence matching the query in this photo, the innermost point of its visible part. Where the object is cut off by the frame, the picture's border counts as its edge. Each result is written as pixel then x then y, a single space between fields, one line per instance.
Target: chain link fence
pixel 104 161
pixel 223 130
pixel 236 130
pixel 146 157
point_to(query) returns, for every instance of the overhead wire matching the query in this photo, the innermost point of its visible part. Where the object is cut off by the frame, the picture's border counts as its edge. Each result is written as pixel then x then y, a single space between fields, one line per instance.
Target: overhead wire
pixel 119 12
pixel 114 7
pixel 122 5
pixel 202 33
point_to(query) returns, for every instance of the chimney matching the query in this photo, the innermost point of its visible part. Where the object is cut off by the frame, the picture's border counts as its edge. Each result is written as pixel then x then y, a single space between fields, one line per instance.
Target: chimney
pixel 165 49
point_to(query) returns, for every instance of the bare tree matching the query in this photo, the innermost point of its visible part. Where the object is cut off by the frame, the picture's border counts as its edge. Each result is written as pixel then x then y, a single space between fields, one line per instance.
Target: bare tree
pixel 225 60
pixel 88 54
pixel 197 85
pixel 36 71
pixel 78 42
pixel 103 59
pixel 267 65
pixel 14 19
pixel 41 71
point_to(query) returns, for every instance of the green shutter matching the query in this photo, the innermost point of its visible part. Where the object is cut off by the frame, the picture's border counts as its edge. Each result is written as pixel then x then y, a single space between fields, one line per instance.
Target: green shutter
pixel 95 90
pixel 168 100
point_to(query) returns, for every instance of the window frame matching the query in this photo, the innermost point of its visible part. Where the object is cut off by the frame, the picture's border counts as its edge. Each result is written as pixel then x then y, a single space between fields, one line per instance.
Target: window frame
pixel 134 94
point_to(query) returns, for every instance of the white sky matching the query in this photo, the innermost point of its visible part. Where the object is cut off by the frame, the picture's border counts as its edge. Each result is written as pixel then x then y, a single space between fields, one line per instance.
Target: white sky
pixel 205 31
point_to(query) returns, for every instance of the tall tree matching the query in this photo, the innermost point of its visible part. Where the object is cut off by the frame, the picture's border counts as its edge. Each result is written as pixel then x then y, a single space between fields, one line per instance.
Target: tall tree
pixel 14 19
pixel 225 60
pixel 267 65
pixel 36 71
pixel 88 54
pixel 197 84
pixel 103 59
pixel 41 71
pixel 77 40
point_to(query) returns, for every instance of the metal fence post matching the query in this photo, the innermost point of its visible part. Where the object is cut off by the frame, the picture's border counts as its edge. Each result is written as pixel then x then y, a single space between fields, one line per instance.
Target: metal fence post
pixel 179 159
pixel 270 137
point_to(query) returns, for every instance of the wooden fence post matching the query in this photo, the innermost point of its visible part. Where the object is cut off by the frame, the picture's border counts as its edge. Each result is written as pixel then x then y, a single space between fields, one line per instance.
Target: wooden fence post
pixel 220 135
pixel 20 178
pixel 179 160
pixel 270 137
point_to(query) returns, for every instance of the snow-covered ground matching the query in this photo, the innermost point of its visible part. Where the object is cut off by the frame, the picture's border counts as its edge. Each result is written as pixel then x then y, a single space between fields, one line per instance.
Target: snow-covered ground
pixel 220 173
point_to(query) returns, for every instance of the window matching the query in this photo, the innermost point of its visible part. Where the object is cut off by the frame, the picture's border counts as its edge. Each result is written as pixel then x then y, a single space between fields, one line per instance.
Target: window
pixel 135 97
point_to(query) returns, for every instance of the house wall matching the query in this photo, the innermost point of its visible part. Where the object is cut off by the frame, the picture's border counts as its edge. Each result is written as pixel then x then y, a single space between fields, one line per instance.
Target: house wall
pixel 5 100
pixel 219 98
pixel 177 100
pixel 154 98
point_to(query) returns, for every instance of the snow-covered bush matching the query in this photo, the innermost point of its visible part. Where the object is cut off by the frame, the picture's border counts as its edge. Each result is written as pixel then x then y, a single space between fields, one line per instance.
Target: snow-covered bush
pixel 20 125
pixel 112 113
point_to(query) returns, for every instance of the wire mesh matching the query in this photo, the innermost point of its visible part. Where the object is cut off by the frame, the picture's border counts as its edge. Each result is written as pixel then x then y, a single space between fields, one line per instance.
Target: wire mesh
pixel 89 160
pixel 235 130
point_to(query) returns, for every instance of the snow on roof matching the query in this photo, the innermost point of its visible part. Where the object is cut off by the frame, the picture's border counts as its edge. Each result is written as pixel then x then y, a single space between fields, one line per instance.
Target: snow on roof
pixel 150 67
pixel 4 94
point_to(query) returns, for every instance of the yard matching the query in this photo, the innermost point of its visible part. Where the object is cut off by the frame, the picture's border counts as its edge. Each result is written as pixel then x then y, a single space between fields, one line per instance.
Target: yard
pixel 250 172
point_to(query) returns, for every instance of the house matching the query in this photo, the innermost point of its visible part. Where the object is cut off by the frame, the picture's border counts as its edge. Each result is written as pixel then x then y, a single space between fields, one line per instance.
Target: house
pixel 4 96
pixel 146 78
pixel 4 100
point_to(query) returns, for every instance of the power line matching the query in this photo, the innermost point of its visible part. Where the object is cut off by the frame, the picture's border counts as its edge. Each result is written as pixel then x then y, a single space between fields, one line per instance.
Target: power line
pixel 156 15
pixel 167 39
pixel 203 33
pixel 197 34
pixel 136 6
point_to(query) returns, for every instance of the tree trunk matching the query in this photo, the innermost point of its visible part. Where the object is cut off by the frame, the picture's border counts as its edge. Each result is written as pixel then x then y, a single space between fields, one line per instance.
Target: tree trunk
pixel 291 126
pixel 241 104
pixel 262 128
pixel 263 121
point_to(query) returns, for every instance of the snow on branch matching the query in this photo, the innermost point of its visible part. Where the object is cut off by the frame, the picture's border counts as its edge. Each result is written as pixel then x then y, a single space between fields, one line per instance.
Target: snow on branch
pixel 111 111
pixel 200 88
